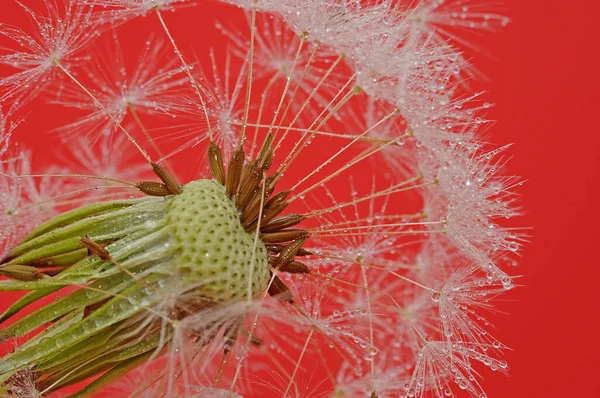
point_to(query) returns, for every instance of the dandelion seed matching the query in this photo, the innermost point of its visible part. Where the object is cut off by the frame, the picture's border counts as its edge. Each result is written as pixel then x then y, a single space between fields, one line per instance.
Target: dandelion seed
pixel 155 87
pixel 475 200
pixel 466 293
pixel 59 36
pixel 439 370
pixel 388 383
pixel 221 112
pixel 107 157
pixel 276 59
pixel 445 18
pixel 24 201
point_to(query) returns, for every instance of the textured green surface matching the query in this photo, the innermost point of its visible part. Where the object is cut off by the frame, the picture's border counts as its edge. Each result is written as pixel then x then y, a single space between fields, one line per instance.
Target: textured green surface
pixel 215 250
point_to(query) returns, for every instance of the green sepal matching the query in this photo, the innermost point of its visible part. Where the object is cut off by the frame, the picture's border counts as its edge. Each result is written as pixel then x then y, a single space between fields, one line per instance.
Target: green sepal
pixel 114 311
pixel 80 352
pixel 138 248
pixel 103 362
pixel 13 286
pixel 76 300
pixel 62 324
pixel 57 327
pixel 50 249
pixel 100 228
pixel 79 213
pixel 62 260
pixel 149 247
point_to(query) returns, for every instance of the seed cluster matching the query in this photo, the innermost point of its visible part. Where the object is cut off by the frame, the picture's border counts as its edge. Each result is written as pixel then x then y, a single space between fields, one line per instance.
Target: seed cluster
pixel 260 208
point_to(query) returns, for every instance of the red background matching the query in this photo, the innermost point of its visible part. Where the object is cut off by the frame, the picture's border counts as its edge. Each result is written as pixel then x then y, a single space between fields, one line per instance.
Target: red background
pixel 543 76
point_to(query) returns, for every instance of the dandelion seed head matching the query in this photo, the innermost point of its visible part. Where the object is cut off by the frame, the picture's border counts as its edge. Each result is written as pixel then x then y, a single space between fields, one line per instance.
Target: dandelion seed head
pixel 350 231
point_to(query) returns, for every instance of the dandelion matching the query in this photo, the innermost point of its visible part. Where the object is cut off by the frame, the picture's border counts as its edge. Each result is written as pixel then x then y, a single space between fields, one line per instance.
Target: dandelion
pixel 345 227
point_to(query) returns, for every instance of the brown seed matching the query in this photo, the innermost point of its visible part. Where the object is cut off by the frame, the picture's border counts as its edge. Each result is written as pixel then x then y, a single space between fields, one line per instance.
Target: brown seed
pixel 234 171
pixel 152 188
pixel 265 156
pixel 304 252
pixel 230 335
pixel 19 272
pixel 215 160
pixel 275 205
pixel 277 198
pixel 270 183
pixel 248 218
pixel 288 252
pixel 295 267
pixel 166 178
pixel 271 209
pixel 272 212
pixel 274 248
pixel 284 236
pixel 251 177
pixel 282 222
pixel 250 212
